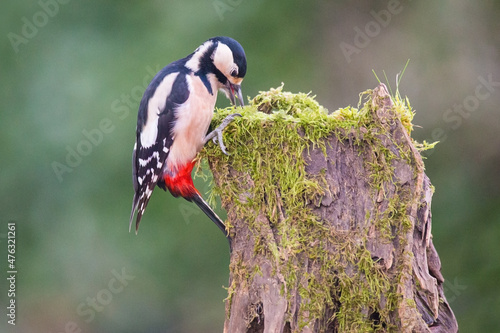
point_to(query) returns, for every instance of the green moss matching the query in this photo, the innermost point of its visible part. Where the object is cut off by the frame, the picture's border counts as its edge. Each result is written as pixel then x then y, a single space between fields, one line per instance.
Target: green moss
pixel 266 145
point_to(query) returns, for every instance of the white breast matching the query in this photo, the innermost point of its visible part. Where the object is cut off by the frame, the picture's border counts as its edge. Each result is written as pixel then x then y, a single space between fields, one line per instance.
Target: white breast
pixel 193 119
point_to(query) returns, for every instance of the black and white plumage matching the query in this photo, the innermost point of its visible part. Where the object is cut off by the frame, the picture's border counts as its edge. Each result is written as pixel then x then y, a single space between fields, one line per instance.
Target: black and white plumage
pixel 174 116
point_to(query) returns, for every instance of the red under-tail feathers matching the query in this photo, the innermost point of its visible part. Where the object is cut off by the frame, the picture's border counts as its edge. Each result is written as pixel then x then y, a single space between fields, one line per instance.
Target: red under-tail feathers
pixel 181 184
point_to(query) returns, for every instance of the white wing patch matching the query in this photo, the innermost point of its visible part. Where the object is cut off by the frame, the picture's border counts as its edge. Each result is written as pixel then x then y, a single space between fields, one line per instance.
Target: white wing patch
pixel 156 104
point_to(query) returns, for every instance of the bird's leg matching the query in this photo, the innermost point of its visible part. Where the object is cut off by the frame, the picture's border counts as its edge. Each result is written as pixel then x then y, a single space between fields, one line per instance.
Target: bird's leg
pixel 216 134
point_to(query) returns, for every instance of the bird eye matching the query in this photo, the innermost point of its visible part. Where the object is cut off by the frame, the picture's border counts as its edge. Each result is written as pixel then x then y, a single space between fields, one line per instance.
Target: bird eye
pixel 234 72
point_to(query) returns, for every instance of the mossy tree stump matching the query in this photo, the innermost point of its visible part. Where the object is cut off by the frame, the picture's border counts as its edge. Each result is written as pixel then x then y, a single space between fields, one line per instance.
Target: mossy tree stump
pixel 330 219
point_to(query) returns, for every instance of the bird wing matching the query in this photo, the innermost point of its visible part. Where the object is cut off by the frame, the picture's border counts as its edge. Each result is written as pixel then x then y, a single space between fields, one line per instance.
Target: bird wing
pixel 167 91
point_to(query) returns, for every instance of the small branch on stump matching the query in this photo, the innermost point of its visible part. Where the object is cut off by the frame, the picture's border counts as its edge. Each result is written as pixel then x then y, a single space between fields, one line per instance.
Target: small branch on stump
pixel 330 219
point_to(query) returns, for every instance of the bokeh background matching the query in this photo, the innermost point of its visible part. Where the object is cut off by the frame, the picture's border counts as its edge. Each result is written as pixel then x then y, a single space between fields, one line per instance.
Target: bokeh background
pixel 73 69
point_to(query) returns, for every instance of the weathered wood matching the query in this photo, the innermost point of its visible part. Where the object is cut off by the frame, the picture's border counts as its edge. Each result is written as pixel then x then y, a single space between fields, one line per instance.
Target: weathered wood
pixel 365 262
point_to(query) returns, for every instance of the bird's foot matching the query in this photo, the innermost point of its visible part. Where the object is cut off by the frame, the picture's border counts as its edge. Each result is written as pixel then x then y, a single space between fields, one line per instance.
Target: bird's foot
pixel 216 134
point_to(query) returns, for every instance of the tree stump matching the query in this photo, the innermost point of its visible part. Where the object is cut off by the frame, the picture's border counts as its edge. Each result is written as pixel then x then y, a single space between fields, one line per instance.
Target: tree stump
pixel 330 218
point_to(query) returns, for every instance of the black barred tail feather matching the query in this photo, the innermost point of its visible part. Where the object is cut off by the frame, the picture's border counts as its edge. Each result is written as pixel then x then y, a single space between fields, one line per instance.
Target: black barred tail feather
pixel 139 204
pixel 198 200
pixel 134 208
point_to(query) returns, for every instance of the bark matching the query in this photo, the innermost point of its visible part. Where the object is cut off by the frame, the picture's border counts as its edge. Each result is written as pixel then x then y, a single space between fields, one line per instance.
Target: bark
pixel 367 263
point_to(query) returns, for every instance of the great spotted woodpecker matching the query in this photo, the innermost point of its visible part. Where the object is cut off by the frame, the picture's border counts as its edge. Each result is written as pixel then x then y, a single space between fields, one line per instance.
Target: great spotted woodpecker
pixel 173 120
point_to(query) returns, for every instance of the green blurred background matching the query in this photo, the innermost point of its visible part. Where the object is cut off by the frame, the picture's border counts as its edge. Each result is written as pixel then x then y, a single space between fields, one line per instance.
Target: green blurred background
pixel 72 69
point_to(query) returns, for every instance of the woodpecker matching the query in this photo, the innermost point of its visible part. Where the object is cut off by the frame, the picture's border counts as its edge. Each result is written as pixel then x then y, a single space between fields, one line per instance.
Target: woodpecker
pixel 174 117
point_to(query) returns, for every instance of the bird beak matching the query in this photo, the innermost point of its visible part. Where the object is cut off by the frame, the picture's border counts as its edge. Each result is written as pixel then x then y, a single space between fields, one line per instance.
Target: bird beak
pixel 234 89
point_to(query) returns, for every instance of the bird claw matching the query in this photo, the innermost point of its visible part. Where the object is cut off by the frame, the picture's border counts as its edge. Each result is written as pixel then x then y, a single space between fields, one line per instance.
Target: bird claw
pixel 216 134
pixel 218 138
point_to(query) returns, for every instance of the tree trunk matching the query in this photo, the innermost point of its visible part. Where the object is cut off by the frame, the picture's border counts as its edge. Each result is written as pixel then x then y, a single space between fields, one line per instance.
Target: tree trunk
pixel 331 225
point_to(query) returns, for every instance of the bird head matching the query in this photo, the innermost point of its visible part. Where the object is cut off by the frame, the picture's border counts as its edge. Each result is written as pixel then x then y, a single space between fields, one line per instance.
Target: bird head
pixel 225 59
pixel 230 60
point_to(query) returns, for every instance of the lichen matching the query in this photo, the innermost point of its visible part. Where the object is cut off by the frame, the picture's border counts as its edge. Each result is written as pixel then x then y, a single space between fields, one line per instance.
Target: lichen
pixel 266 145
